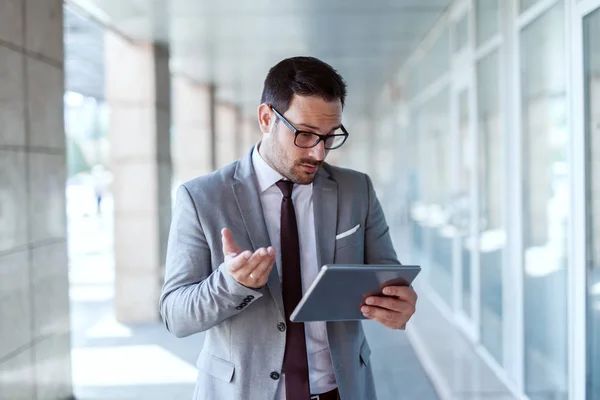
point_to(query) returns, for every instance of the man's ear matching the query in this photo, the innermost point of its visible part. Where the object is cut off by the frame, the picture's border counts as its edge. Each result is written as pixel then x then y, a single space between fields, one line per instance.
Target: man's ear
pixel 266 118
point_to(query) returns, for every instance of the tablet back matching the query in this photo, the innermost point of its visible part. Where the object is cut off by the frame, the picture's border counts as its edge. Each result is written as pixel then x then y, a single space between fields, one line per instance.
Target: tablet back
pixel 339 291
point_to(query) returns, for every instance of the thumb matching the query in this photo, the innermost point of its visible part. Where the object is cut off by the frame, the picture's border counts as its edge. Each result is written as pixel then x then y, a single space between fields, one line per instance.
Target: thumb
pixel 229 245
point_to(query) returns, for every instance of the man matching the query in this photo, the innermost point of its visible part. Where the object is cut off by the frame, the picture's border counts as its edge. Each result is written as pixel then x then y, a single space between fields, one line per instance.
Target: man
pixel 281 205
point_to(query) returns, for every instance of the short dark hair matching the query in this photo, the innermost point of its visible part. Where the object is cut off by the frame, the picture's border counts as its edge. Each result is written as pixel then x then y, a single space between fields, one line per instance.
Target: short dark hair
pixel 304 76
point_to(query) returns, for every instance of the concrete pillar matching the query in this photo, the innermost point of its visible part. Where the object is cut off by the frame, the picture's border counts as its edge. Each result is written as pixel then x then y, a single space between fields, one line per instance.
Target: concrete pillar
pixel 193 121
pixel 138 88
pixel 227 135
pixel 34 286
pixel 250 132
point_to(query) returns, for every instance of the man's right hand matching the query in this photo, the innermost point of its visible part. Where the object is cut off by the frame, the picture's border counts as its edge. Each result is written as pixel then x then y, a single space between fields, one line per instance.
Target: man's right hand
pixel 248 269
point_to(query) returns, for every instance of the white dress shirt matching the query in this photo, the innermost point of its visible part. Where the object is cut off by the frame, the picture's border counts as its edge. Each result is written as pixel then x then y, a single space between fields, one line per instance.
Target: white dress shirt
pixel 320 368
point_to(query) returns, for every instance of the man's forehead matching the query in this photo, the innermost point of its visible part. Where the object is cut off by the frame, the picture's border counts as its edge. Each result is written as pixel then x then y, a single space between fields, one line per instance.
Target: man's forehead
pixel 311 107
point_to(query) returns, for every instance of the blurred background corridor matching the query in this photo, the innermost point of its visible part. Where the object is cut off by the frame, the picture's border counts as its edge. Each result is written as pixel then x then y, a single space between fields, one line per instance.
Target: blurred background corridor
pixel 478 121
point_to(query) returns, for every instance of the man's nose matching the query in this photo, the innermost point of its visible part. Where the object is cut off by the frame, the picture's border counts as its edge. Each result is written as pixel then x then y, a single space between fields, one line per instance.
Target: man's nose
pixel 318 152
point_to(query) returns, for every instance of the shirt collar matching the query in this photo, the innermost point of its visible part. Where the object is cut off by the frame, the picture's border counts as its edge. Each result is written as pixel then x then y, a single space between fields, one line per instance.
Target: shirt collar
pixel 265 174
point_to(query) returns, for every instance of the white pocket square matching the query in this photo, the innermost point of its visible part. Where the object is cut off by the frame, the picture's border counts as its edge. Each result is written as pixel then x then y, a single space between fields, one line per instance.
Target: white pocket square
pixel 347 233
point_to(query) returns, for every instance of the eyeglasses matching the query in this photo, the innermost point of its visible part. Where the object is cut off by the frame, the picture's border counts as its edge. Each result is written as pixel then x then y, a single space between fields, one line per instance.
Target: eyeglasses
pixel 306 140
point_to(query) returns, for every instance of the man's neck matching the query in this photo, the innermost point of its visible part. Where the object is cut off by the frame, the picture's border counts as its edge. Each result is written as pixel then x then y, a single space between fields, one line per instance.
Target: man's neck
pixel 265 158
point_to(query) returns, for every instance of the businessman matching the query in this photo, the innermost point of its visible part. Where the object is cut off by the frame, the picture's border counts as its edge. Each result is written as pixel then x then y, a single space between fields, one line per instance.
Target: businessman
pixel 247 240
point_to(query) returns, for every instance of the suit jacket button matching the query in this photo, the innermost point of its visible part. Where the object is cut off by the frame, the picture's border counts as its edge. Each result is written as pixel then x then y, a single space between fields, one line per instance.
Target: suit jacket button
pixel 239 307
pixel 281 327
pixel 274 376
pixel 251 297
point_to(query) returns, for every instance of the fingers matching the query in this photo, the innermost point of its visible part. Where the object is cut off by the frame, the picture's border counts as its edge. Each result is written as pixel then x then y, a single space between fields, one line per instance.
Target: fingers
pixel 229 246
pixel 393 311
pixel 237 261
pixel 252 269
pixel 391 319
pixel 258 262
pixel 263 268
pixel 390 303
pixel 404 293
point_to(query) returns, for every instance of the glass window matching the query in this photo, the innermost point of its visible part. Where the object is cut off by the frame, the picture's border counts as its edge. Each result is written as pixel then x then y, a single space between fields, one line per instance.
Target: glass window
pixel 487 17
pixel 463 203
pixel 416 200
pixel 546 204
pixel 412 81
pixel 461 33
pixel 492 233
pixel 525 4
pixel 435 63
pixel 592 97
pixel 434 189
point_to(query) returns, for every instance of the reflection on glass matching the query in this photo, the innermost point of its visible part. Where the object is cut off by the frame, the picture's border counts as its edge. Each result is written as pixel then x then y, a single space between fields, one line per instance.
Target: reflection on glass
pixel 592 82
pixel 487 17
pixel 492 232
pixel 546 205
pixel 461 33
pixel 463 200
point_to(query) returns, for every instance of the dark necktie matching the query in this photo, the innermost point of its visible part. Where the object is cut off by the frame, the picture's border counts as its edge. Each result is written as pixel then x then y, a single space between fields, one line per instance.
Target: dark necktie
pixel 295 362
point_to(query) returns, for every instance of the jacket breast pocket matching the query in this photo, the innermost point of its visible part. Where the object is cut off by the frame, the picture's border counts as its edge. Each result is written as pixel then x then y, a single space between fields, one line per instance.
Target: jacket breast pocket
pixel 215 366
pixel 348 237
pixel 350 248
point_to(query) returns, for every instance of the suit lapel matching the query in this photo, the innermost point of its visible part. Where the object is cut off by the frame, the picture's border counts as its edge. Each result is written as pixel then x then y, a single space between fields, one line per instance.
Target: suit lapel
pixel 325 203
pixel 247 196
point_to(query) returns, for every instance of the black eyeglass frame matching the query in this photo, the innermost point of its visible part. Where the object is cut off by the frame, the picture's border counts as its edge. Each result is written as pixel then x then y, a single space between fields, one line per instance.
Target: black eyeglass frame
pixel 320 138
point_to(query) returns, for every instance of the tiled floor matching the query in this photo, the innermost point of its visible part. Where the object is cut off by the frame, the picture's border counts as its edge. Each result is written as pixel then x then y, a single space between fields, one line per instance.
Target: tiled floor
pixel 458 371
pixel 397 371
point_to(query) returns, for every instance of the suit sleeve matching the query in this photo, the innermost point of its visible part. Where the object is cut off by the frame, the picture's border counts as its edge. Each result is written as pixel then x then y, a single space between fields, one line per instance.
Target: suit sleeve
pixel 378 243
pixel 195 298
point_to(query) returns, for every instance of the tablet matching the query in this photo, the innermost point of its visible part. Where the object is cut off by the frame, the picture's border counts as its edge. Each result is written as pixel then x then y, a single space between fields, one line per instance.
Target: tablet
pixel 339 291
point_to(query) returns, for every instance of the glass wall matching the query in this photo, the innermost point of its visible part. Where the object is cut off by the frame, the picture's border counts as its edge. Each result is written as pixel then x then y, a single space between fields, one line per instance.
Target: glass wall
pixel 429 179
pixel 415 195
pixel 487 17
pixel 592 97
pixel 461 33
pixel 526 4
pixel 492 229
pixel 435 119
pixel 463 205
pixel 513 187
pixel 545 144
pixel 434 64
pixel 430 188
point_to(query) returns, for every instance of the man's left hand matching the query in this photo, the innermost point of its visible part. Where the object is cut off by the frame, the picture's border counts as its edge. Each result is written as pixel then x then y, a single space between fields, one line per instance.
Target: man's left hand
pixel 394 309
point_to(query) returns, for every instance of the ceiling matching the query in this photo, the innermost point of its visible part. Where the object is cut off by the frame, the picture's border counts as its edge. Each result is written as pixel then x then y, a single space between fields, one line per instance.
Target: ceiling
pixel 234 43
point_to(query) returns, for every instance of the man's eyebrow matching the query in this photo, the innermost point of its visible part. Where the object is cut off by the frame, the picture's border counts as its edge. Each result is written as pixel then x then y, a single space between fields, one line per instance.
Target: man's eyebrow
pixel 316 129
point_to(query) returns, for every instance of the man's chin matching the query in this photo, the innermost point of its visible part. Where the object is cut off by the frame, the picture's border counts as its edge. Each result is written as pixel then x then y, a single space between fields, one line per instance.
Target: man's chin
pixel 306 181
pixel 303 178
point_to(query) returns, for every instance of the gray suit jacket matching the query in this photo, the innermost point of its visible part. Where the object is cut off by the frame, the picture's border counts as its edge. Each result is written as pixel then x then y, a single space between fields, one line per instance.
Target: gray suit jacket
pixel 243 345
